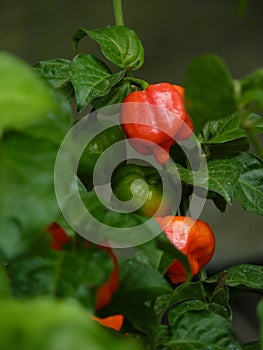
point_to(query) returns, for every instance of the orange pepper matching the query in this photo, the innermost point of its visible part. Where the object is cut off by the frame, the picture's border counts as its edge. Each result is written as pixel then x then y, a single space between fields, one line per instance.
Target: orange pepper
pixel 115 321
pixel 192 237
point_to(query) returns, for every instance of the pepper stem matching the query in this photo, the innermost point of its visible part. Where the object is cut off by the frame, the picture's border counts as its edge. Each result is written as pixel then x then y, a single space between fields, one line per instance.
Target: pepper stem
pixel 203 275
pixel 137 82
pixel 118 12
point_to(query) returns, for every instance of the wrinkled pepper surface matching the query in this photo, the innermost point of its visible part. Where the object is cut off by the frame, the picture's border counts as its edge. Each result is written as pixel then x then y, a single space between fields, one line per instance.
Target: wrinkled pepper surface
pixel 192 237
pixel 155 118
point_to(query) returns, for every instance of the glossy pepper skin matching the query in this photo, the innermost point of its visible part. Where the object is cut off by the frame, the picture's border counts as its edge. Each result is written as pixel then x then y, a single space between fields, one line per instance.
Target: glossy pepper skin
pixel 186 130
pixel 192 237
pixel 145 184
pixel 154 119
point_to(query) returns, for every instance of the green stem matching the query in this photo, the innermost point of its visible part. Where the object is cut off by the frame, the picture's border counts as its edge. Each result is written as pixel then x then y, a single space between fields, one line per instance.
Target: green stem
pixel 203 275
pixel 137 82
pixel 118 13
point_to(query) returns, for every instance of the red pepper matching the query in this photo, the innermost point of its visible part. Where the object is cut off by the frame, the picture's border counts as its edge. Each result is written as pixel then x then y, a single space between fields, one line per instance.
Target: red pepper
pixel 106 290
pixel 58 236
pixel 155 117
pixel 186 131
pixel 192 237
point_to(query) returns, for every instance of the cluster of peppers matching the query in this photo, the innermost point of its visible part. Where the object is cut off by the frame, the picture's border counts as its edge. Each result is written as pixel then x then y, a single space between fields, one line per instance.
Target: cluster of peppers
pixel 152 120
pixel 192 237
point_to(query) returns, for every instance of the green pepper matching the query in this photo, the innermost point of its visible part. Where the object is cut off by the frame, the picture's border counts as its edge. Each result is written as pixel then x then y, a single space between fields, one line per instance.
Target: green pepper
pixel 143 185
pixel 95 148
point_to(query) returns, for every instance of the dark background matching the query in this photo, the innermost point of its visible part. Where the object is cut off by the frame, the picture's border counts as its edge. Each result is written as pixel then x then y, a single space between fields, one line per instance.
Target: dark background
pixel 173 32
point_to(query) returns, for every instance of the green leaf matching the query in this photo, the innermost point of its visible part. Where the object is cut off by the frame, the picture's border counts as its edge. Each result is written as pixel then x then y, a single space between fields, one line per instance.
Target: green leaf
pixel 188 291
pixel 184 292
pixel 219 300
pixel 149 282
pixel 229 128
pixel 179 309
pixel 218 200
pixel 148 254
pixel 104 215
pixel 171 253
pixel 251 92
pixel 222 175
pixel 56 72
pixel 143 319
pixel 221 150
pixel 49 324
pixel 119 44
pixel 209 90
pixel 162 336
pixel 260 315
pixel 27 201
pixel 91 78
pixel 160 254
pixel 243 276
pixel 138 283
pixel 202 329
pixel 41 271
pixel 249 188
pixel 240 176
pixel 24 97
pixel 115 95
pixel 55 125
pixel 254 345
pixel 161 306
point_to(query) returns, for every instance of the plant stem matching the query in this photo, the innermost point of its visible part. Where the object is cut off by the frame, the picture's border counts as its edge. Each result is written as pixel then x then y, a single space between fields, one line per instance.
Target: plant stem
pixel 138 82
pixel 202 275
pixel 118 13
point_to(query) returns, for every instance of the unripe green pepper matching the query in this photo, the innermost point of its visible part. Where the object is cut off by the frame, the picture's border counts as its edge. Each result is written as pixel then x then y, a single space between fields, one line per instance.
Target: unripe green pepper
pixel 95 148
pixel 143 185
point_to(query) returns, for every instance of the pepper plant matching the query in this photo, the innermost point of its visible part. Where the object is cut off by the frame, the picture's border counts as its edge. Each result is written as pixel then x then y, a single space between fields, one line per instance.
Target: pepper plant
pixel 59 290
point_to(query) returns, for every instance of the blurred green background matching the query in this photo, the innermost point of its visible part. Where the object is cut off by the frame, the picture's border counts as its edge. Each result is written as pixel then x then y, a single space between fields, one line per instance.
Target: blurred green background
pixel 173 32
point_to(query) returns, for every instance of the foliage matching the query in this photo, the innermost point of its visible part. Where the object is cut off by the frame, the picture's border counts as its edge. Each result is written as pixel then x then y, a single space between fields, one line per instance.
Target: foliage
pixel 48 297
